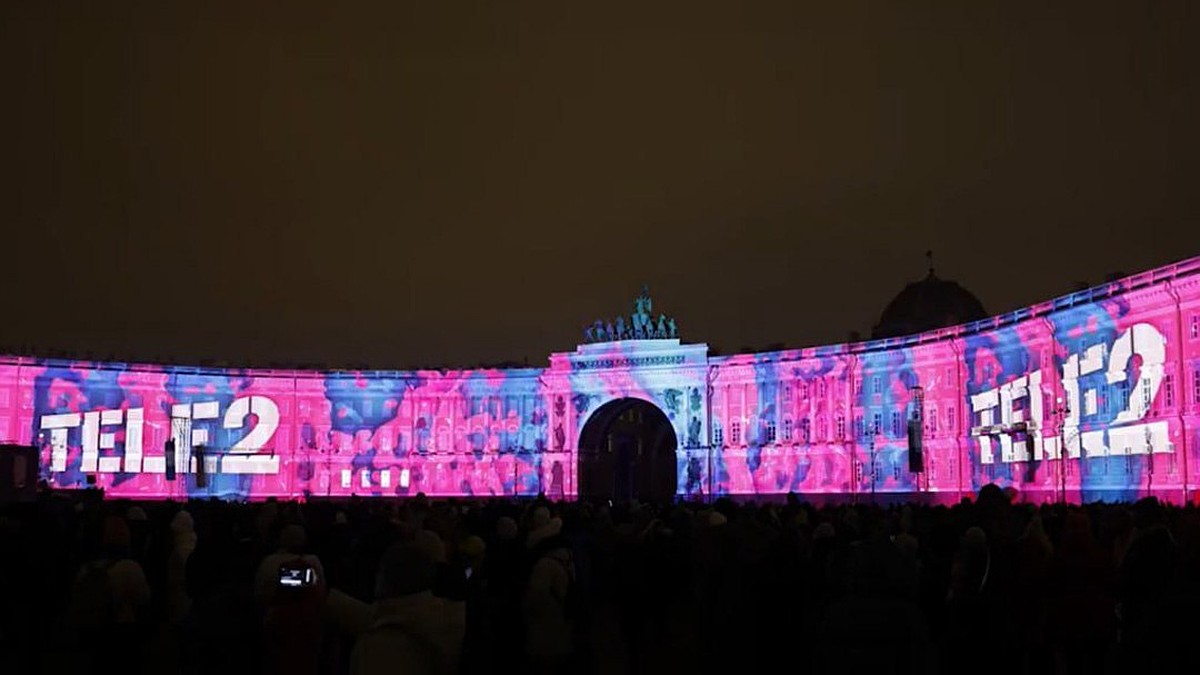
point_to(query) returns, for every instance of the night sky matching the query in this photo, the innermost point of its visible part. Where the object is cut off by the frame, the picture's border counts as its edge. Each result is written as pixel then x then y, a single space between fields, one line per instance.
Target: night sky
pixel 428 183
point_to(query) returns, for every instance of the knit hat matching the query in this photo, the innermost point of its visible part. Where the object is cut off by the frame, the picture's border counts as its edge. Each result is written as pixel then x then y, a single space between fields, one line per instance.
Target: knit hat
pixel 431 545
pixel 472 547
pixel 506 528
pixel 544 532
pixel 116 533
pixel 404 570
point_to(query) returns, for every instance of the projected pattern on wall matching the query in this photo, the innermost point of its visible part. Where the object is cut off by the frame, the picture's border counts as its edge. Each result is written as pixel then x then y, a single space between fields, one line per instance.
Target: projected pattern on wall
pixel 1108 378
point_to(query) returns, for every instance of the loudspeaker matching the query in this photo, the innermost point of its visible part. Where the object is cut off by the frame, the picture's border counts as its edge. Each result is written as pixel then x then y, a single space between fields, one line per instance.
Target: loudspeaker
pixel 201 474
pixel 169 454
pixel 18 473
pixel 1030 464
pixel 916 456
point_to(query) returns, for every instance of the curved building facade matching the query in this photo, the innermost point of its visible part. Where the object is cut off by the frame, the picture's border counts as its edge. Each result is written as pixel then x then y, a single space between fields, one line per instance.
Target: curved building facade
pixel 1095 395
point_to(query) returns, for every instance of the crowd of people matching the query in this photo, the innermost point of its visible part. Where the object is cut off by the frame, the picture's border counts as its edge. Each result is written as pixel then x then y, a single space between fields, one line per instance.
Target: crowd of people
pixel 447 587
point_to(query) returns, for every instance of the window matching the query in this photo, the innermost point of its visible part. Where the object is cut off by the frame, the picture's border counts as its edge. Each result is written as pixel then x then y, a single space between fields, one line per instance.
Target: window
pixel 803 390
pixel 896 423
pixel 787 429
pixel 932 417
pixel 770 431
pixel 950 418
pixel 1145 393
pixel 821 388
pixel 820 429
pixel 875 385
pixel 1195 331
pixel 787 393
pixel 841 427
pixel 718 434
pixel 876 424
pixel 1122 401
pixel 858 426
pixel 1196 387
pixel 1168 391
pixel 805 436
pixel 735 432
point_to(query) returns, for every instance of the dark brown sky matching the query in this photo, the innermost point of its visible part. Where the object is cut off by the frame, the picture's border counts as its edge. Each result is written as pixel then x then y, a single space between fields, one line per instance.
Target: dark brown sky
pixel 445 182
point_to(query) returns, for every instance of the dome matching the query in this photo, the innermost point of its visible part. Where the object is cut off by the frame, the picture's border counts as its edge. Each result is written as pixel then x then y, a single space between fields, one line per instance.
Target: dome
pixel 928 304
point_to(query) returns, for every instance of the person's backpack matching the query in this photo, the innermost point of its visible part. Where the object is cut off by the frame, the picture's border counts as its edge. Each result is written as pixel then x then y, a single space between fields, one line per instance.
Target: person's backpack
pixel 92 602
pixel 572 602
pixel 429 656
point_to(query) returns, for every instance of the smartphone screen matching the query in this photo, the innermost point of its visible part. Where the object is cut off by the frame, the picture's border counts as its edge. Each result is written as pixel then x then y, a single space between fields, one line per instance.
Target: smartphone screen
pixel 296 577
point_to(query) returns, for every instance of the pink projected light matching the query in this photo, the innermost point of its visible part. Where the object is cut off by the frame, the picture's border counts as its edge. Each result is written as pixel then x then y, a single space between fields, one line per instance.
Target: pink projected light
pixel 1090 396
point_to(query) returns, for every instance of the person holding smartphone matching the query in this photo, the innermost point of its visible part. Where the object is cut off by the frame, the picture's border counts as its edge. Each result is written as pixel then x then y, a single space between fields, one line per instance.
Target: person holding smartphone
pixel 290 585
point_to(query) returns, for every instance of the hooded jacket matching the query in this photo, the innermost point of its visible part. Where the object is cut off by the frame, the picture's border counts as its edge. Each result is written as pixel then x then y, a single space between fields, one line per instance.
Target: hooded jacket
pixel 418 633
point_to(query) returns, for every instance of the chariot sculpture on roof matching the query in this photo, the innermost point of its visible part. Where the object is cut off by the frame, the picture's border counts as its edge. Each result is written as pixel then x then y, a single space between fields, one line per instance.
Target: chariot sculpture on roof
pixel 640 326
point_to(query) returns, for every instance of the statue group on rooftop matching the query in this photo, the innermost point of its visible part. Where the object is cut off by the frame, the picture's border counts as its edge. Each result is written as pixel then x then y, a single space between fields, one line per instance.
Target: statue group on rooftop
pixel 641 324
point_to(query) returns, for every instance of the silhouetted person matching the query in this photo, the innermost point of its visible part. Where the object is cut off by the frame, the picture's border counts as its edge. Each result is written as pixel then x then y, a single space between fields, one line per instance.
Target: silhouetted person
pixel 292 615
pixel 548 630
pixel 408 629
pixel 109 594
pixel 1147 580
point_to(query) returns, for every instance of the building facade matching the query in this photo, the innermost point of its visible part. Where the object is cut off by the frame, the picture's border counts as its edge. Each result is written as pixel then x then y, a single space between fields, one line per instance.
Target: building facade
pixel 1095 395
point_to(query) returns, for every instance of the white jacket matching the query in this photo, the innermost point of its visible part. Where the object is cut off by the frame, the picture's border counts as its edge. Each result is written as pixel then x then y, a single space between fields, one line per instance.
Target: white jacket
pixel 548 630
pixel 418 634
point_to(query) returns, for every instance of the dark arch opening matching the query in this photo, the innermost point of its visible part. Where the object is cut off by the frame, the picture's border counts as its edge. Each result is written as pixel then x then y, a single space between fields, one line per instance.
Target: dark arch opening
pixel 627 451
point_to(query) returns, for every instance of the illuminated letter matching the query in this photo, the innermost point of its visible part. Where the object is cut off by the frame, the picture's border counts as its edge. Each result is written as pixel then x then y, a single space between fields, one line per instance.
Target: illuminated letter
pixel 1145 341
pixel 245 458
pixel 1070 424
pixel 93 440
pixel 983 403
pixel 133 440
pixel 1139 439
pixel 90 441
pixel 59 425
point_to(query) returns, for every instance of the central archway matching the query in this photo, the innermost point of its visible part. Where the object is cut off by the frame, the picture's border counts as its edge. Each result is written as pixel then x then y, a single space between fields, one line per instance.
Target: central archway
pixel 627 451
